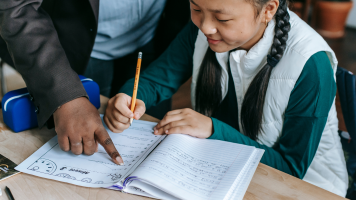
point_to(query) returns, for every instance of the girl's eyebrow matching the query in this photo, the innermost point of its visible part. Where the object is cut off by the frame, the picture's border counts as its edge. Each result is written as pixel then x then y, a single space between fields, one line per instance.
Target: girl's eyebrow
pixel 220 11
pixel 193 2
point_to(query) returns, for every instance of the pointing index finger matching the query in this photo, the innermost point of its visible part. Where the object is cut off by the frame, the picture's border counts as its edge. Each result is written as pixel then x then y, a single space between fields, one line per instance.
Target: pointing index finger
pixel 104 139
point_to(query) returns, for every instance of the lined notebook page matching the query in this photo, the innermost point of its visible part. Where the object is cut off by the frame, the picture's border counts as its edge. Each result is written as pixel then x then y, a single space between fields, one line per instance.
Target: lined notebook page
pixel 191 168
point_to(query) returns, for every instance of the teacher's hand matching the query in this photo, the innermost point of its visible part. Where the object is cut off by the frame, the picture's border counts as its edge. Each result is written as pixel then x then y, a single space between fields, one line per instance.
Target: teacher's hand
pixel 79 128
pixel 185 121
pixel 118 113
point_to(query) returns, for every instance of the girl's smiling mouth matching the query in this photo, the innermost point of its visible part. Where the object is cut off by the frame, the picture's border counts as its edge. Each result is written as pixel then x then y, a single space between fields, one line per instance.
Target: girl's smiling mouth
pixel 211 41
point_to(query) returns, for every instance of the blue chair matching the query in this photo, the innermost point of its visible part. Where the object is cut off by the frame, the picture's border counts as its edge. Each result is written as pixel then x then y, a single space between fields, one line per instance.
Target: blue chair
pixel 346 108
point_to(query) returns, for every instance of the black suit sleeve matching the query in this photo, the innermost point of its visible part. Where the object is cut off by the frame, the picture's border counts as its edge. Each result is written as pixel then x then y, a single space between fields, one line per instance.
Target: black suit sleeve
pixel 38 56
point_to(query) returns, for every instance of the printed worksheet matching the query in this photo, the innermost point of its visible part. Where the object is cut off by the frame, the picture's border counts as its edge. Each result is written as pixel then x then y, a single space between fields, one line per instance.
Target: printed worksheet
pixel 134 144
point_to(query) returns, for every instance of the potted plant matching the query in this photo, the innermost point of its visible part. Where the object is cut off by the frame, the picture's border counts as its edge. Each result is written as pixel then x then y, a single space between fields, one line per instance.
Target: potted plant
pixel 331 17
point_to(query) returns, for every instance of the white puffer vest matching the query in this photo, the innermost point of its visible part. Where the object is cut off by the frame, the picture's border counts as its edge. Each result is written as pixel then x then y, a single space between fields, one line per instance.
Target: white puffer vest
pixel 328 168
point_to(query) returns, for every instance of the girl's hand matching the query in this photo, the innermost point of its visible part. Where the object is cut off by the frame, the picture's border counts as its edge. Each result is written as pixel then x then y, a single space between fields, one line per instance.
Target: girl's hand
pixel 118 113
pixel 185 121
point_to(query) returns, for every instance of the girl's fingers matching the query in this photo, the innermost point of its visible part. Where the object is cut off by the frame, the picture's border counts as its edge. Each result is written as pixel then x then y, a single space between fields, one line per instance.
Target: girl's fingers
pixel 187 130
pixel 164 129
pixel 123 107
pixel 118 127
pixel 168 119
pixel 119 117
pixel 112 125
pixel 158 131
pixel 174 124
pixel 174 112
pixel 118 113
pixel 140 109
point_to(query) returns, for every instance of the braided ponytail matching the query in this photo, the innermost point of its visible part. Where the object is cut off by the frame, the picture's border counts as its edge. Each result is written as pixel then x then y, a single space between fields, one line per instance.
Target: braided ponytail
pixel 252 106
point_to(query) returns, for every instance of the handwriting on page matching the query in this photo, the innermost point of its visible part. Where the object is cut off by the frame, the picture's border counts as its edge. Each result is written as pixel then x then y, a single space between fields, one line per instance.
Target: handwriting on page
pixel 201 180
pixel 193 174
pixel 143 129
pixel 97 170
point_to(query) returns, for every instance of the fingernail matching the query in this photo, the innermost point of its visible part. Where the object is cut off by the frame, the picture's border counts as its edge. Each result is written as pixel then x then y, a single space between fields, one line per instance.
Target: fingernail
pixel 156 131
pixel 119 160
pixel 131 115
pixel 166 131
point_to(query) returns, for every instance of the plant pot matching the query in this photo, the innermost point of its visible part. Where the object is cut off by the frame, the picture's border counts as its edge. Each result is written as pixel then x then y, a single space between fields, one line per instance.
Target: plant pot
pixel 296 7
pixel 331 18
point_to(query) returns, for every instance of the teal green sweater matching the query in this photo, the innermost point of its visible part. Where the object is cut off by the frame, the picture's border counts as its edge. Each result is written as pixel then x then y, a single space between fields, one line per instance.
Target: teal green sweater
pixel 304 120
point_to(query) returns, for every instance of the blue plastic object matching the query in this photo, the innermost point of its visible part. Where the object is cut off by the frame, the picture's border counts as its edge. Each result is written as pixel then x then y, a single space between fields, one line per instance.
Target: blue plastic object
pixel 19 112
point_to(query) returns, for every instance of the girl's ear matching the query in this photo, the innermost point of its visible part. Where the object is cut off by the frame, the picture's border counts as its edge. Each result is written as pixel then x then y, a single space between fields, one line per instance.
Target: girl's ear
pixel 269 10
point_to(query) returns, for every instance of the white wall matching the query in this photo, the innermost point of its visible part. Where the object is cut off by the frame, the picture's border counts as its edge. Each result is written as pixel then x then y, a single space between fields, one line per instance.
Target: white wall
pixel 351 20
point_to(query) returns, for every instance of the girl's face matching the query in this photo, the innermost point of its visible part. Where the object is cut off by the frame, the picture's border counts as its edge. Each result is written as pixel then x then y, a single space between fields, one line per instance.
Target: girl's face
pixel 229 24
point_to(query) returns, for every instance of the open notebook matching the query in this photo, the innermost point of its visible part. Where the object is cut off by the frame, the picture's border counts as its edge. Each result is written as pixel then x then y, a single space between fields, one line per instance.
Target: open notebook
pixel 164 167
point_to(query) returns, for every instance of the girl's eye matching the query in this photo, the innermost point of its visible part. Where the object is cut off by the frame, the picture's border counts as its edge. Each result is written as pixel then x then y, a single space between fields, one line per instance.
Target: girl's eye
pixel 222 20
pixel 196 10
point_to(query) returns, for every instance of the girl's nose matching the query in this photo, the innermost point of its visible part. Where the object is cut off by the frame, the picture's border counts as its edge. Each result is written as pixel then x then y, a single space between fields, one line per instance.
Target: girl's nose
pixel 207 27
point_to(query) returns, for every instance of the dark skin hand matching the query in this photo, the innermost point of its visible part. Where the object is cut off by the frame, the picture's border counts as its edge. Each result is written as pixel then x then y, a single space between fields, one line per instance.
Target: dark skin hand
pixel 79 129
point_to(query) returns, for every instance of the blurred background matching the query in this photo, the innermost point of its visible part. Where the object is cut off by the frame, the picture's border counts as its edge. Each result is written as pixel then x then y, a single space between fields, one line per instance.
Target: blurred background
pixel 335 20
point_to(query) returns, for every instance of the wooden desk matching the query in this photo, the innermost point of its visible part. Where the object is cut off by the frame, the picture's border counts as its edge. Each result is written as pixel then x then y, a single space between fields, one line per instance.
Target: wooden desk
pixel 267 183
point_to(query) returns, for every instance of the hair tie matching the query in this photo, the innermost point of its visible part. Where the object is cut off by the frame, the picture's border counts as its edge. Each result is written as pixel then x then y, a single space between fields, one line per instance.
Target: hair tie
pixel 272 61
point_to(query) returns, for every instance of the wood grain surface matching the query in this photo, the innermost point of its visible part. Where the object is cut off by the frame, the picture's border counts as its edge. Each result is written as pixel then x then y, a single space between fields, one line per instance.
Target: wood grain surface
pixel 267 183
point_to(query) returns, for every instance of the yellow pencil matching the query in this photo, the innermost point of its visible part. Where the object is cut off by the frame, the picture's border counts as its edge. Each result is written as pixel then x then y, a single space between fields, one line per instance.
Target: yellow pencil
pixel 137 76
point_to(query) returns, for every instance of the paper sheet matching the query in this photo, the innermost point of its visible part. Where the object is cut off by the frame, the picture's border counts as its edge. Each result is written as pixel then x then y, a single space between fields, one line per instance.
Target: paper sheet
pixel 134 144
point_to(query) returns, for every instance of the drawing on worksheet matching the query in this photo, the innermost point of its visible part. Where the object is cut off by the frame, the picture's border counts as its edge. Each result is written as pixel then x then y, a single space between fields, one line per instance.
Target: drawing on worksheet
pixel 87 180
pixel 134 144
pixel 66 176
pixel 43 166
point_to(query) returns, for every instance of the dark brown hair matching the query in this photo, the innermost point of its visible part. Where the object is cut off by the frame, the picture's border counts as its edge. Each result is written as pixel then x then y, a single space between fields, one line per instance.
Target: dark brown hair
pixel 208 92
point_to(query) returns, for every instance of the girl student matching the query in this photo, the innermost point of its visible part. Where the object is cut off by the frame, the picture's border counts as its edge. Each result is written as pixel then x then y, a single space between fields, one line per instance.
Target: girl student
pixel 260 77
